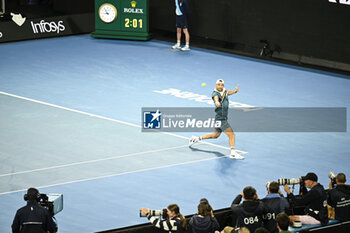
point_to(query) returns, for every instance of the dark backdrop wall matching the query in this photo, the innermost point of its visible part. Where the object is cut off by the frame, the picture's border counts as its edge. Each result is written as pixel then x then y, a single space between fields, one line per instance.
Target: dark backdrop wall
pixel 314 28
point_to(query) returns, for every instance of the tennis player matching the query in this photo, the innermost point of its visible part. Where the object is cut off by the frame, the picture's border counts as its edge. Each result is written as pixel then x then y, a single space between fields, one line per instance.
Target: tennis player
pixel 182 14
pixel 220 97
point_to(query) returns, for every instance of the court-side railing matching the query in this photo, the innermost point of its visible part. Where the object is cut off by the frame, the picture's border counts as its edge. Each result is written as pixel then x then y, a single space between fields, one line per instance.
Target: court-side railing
pixel 224 217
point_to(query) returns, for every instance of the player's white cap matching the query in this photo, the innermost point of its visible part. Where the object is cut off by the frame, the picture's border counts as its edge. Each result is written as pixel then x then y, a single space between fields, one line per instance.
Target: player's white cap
pixel 220 81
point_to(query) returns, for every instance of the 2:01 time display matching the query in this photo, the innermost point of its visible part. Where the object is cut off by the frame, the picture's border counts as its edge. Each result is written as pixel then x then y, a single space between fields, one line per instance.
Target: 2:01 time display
pixel 134 23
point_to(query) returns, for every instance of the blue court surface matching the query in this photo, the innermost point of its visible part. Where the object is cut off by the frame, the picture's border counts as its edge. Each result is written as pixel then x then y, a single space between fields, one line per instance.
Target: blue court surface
pixel 70 116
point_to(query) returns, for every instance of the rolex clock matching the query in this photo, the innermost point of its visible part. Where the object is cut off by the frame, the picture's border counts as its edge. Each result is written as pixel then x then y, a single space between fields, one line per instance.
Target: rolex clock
pixel 121 19
pixel 107 13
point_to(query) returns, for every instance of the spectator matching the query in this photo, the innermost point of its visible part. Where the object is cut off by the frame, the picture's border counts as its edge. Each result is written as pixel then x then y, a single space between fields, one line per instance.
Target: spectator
pixel 339 198
pixel 175 222
pixel 276 204
pixel 250 212
pixel 33 218
pixel 204 221
pixel 283 222
pixel 315 201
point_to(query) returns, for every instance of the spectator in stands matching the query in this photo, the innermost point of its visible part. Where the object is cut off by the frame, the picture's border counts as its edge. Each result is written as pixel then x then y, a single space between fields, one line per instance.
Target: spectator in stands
pixel 315 200
pixel 276 204
pixel 261 230
pixel 283 222
pixel 250 212
pixel 339 198
pixel 175 222
pixel 204 221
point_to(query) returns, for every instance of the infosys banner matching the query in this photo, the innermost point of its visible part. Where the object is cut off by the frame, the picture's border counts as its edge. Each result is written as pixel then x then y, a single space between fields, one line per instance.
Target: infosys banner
pixel 46 27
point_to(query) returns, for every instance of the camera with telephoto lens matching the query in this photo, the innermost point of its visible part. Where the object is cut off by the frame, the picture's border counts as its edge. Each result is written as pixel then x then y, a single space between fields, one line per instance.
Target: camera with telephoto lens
pixel 291 181
pixel 282 181
pixel 162 213
pixel 332 176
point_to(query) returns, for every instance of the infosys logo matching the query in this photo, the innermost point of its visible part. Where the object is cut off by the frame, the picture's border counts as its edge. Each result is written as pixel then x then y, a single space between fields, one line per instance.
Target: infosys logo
pixel 47 27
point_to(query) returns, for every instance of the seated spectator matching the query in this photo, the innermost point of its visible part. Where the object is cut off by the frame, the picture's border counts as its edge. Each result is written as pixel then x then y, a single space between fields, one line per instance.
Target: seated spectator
pixel 339 198
pixel 250 212
pixel 175 222
pixel 316 211
pixel 204 221
pixel 283 222
pixel 276 204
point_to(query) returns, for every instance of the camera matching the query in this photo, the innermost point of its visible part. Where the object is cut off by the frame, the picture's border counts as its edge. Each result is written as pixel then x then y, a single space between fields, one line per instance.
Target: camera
pixel 332 176
pixel 291 181
pixel 162 213
pixel 283 181
pixel 52 202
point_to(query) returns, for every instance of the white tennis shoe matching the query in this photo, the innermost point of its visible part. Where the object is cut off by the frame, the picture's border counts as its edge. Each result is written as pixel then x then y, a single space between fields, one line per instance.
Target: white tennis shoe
pixel 193 140
pixel 234 155
pixel 176 46
pixel 185 48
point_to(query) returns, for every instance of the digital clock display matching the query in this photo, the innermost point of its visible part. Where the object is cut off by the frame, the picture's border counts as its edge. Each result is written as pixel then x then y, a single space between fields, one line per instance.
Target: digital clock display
pixel 133 23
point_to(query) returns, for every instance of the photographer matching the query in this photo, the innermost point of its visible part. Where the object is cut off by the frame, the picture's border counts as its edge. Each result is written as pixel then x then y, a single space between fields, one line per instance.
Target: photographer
pixel 33 218
pixel 276 204
pixel 174 221
pixel 314 200
pixel 204 221
pixel 250 213
pixel 339 198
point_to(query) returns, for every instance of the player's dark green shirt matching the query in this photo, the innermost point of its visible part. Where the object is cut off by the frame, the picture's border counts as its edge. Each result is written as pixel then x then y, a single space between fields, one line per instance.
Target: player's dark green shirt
pixel 222 111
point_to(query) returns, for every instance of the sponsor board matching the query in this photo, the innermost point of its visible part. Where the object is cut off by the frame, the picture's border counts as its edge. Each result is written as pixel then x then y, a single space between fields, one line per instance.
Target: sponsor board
pixel 47 27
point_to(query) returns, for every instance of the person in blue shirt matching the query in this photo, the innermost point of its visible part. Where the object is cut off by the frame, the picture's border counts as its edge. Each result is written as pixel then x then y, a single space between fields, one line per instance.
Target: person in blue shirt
pixel 220 98
pixel 276 204
pixel 182 14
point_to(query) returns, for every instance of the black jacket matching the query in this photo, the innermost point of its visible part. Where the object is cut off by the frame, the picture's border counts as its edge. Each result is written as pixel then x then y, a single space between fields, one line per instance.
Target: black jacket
pixel 249 213
pixel 339 199
pixel 33 218
pixel 315 201
pixel 200 224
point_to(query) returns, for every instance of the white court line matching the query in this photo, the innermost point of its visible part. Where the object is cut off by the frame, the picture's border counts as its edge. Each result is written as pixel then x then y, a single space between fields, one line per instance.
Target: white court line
pixel 117 174
pixel 91 161
pixel 107 118
pixel 114 120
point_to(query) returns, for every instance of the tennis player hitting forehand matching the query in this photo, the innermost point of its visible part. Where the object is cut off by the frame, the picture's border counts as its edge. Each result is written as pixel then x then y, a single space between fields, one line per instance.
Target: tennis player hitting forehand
pixel 220 97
